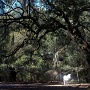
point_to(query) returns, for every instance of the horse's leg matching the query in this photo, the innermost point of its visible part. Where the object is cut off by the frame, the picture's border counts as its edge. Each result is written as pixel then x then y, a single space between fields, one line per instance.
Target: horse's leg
pixel 64 82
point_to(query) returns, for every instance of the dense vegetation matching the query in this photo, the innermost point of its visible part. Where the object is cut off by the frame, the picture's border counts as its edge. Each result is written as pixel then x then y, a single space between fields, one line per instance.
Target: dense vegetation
pixel 41 35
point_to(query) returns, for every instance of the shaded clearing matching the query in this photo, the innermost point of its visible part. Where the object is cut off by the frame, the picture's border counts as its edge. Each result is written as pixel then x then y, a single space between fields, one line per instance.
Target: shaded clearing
pixel 38 86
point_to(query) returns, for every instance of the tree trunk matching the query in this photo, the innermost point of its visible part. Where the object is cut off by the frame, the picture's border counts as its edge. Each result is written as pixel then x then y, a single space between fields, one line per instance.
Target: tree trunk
pixel 88 57
pixel 78 77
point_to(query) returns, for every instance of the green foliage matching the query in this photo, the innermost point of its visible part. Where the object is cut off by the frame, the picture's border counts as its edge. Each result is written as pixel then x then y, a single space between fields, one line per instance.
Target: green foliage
pixel 31 38
pixel 22 61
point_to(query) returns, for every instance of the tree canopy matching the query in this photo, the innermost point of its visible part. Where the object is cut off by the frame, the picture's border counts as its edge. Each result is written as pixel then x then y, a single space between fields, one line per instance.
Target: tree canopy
pixel 31 29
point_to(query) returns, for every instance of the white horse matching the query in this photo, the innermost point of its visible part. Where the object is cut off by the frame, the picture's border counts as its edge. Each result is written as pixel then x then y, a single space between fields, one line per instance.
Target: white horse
pixel 66 78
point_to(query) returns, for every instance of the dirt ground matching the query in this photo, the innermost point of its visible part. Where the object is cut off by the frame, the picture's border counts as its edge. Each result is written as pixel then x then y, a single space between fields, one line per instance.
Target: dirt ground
pixel 38 86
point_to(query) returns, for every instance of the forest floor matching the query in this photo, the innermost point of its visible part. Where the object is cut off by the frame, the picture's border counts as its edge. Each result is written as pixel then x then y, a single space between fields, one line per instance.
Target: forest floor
pixel 39 86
